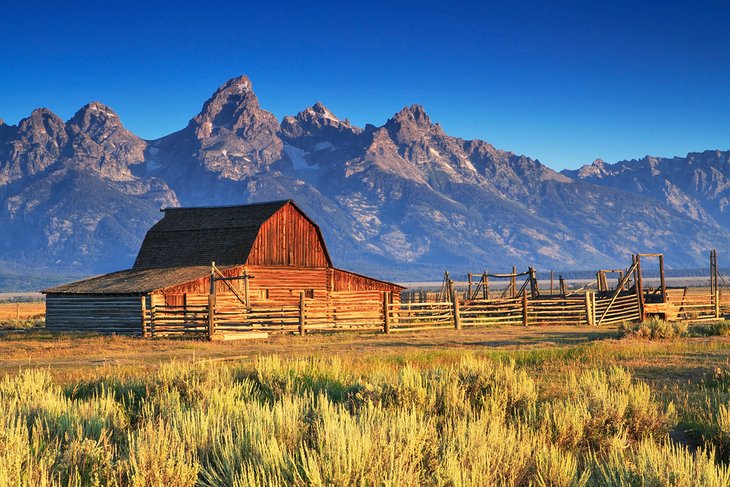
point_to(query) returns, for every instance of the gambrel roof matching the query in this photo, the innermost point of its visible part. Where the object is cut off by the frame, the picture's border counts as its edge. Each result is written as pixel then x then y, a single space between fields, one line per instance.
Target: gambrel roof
pixel 198 236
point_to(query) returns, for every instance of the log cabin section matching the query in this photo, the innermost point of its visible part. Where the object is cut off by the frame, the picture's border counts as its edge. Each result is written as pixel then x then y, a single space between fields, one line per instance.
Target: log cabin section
pixel 276 243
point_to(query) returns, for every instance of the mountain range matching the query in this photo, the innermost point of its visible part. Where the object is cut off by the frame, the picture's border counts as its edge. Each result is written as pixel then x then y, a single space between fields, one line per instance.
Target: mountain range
pixel 400 201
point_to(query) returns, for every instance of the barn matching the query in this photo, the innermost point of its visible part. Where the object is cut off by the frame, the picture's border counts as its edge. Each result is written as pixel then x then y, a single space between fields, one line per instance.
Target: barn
pixel 265 256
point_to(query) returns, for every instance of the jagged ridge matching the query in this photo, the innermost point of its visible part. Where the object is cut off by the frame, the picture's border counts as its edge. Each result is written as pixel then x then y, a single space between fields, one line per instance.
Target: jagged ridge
pixel 403 200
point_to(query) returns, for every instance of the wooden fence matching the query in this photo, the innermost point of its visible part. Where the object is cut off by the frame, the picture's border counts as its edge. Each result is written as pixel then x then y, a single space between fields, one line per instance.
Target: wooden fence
pixel 374 310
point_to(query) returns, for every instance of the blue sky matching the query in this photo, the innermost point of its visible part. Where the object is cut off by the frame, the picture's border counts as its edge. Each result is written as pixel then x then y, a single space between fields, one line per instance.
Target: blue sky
pixel 564 82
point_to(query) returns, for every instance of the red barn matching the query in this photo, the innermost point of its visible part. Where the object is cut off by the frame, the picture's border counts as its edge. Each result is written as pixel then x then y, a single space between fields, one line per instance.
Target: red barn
pixel 275 244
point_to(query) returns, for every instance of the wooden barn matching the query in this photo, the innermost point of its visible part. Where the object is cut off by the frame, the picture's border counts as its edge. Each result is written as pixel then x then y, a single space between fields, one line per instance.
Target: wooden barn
pixel 268 256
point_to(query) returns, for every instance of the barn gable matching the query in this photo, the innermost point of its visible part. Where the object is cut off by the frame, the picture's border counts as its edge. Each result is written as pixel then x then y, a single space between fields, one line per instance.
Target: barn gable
pixel 276 233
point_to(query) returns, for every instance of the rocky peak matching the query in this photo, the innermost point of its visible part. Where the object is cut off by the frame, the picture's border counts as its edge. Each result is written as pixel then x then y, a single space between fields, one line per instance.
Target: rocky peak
pixel 95 119
pixel 99 141
pixel 318 112
pixel 41 124
pixel 313 120
pixel 233 108
pixel 411 124
pixel 596 169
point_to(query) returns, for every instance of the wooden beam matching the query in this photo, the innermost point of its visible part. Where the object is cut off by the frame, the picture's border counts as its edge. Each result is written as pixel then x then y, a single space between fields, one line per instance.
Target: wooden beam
pixel 145 333
pixel 486 285
pixel 661 278
pixel 211 316
pixel 524 309
pixel 302 327
pixel 639 286
pixel 513 281
pixel 590 309
pixel 457 316
pixel 386 314
pixel 633 267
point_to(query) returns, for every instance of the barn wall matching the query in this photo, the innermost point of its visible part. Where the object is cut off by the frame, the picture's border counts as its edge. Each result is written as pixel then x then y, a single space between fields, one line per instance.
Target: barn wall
pixel 288 239
pixel 202 285
pixel 107 314
pixel 347 281
pixel 285 283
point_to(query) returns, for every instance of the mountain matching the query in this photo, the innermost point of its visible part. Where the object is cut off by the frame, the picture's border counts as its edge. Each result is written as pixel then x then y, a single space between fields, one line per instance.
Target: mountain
pixel 697 185
pixel 402 201
pixel 68 198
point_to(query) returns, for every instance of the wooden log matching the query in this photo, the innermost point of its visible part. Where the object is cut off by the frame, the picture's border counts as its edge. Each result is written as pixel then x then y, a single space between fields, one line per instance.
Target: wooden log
pixel 524 309
pixel 211 316
pixel 716 304
pixel 302 327
pixel 513 281
pixel 145 333
pixel 640 286
pixel 590 309
pixel 386 313
pixel 457 316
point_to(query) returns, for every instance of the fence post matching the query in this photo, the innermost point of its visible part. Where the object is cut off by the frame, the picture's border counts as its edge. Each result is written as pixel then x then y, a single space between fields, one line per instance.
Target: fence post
pixel 452 297
pixel 17 310
pixel 386 313
pixel 457 315
pixel 524 309
pixel 145 333
pixel 211 316
pixel 302 329
pixel 717 303
pixel 590 309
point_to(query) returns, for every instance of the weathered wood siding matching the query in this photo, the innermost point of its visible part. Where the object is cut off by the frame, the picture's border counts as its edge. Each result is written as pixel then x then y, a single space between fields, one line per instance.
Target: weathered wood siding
pixel 202 285
pixel 98 313
pixel 347 281
pixel 285 283
pixel 288 239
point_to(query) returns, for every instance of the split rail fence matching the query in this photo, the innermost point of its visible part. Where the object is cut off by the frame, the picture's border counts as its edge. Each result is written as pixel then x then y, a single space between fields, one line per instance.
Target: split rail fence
pixel 206 315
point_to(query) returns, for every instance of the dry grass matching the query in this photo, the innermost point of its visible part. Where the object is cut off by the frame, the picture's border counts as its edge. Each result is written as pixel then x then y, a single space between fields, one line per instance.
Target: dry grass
pixel 23 311
pixel 73 355
pixel 560 406
pixel 459 420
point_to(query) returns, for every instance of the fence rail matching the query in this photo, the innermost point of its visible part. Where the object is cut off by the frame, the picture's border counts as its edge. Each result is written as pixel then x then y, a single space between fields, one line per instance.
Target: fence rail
pixel 376 311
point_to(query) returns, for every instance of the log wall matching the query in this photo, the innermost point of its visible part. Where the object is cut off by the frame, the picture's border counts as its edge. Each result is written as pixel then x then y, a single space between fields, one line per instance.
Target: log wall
pixel 103 314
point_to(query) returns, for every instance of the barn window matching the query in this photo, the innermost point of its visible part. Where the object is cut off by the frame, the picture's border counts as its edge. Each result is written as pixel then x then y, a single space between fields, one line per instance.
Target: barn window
pixel 309 293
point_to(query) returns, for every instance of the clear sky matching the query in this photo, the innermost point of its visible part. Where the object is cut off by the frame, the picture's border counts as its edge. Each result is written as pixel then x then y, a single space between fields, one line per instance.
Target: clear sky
pixel 563 82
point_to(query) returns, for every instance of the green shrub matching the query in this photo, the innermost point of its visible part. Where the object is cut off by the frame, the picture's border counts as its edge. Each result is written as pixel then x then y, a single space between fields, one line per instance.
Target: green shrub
pixel 715 328
pixel 654 329
pixel 23 324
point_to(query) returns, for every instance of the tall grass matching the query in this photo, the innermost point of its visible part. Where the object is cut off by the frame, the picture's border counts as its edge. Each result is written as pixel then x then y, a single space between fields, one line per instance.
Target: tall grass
pixel 320 422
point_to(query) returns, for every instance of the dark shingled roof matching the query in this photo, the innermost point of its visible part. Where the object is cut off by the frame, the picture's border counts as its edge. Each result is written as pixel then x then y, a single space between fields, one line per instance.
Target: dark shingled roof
pixel 133 281
pixel 199 236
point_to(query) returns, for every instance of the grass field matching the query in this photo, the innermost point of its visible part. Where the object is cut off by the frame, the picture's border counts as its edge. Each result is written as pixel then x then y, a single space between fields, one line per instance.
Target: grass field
pixel 11 311
pixel 560 406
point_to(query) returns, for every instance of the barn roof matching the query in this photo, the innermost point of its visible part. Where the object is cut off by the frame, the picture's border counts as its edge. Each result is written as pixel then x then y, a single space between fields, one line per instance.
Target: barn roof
pixel 201 235
pixel 133 281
